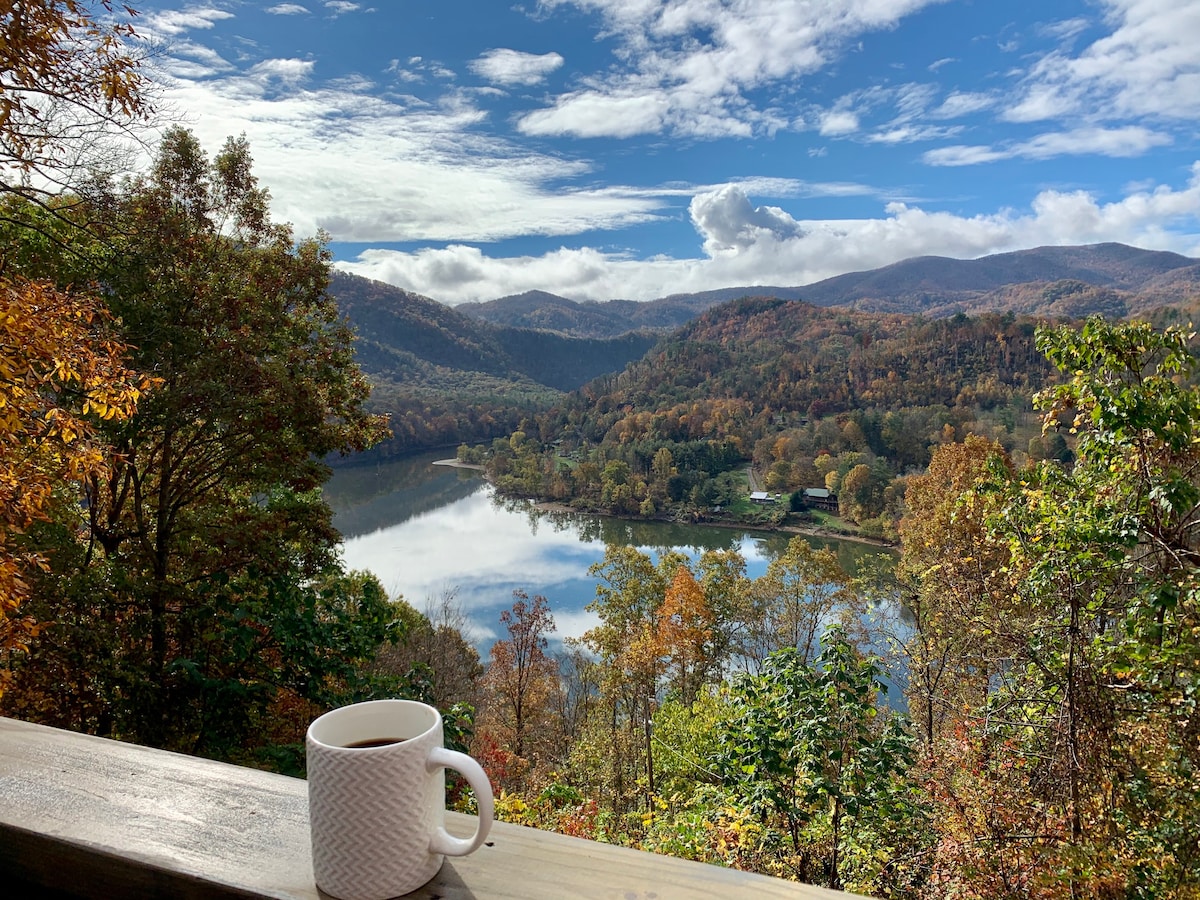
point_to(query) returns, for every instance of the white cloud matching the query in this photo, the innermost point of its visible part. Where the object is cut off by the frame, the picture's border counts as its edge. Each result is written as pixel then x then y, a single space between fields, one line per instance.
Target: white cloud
pixel 763 246
pixel 698 61
pixel 341 7
pixel 963 103
pixel 1132 140
pixel 596 114
pixel 836 124
pixel 510 67
pixel 369 169
pixel 175 22
pixel 289 71
pixel 729 223
pixel 288 9
pixel 1147 66
pixel 962 155
pixel 907 134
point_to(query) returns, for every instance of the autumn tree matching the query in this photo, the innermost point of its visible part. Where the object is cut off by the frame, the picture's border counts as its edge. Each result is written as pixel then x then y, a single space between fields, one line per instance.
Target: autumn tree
pixel 1087 735
pixel 1110 556
pixel 625 644
pixel 684 637
pixel 62 372
pixel 803 590
pixel 521 681
pixel 209 517
pixel 65 71
pixel 70 72
pixel 958 587
pixel 433 652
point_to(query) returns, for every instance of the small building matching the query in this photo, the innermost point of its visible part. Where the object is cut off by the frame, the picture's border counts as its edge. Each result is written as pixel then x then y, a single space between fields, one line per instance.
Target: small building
pixel 821 498
pixel 761 497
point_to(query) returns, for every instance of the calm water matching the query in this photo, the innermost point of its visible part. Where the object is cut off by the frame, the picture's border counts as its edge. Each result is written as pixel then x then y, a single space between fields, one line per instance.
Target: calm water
pixel 424 530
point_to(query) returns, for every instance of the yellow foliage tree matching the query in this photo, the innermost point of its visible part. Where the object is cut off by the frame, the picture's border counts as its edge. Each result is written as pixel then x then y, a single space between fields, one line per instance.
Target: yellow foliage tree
pixel 684 635
pixel 60 370
pixel 68 75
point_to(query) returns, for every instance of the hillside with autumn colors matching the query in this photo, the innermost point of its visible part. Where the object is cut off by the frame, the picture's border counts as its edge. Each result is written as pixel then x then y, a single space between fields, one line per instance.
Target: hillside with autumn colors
pixel 808 397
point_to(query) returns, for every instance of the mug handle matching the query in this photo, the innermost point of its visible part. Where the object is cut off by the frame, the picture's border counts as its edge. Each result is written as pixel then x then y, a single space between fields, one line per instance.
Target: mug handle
pixel 442 841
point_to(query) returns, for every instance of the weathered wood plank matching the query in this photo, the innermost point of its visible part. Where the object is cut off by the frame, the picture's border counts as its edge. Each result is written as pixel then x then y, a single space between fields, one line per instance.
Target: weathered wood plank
pixel 81 816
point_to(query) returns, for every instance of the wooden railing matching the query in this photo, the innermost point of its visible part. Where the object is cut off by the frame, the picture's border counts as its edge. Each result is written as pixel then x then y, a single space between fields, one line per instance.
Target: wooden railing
pixel 82 816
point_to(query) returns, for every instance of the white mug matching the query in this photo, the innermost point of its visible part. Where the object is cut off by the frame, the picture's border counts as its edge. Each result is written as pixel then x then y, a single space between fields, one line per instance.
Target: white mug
pixel 377 810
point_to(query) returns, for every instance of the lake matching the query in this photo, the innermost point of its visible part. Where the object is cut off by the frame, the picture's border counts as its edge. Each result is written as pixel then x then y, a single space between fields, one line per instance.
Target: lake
pixel 426 530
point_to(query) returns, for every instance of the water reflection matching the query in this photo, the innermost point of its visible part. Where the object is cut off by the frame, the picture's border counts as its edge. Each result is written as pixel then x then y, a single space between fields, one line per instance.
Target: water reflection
pixel 424 530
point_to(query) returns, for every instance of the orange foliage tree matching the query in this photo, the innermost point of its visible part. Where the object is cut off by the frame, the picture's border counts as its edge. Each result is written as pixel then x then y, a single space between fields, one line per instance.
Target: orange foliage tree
pixel 520 683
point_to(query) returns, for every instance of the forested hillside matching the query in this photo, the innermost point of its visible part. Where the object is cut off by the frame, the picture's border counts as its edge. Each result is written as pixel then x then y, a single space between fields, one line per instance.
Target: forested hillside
pixel 808 395
pixel 607 318
pixel 444 378
pixel 1041 621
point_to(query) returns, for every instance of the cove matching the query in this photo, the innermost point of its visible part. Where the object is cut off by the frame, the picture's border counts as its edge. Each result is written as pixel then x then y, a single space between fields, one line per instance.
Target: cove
pixel 427 530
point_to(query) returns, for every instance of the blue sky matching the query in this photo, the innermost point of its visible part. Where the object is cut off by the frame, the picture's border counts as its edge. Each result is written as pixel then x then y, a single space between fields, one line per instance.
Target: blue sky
pixel 469 149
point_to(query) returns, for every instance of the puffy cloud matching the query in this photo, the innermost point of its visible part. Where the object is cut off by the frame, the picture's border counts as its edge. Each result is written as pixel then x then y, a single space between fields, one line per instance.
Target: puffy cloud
pixel 512 67
pixel 748 246
pixel 289 71
pixel 838 123
pixel 288 9
pixel 729 223
pixel 698 61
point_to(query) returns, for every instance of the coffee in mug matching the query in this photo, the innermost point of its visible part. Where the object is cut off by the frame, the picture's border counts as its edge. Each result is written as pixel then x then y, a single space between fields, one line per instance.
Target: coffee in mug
pixel 377 801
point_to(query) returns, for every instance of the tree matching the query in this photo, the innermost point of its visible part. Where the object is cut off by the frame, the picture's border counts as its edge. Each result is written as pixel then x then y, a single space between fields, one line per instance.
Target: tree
pixel 68 74
pixel 62 71
pixel 684 636
pixel 521 679
pixel 1087 736
pixel 795 599
pixel 212 498
pixel 804 748
pixel 433 651
pixel 628 598
pixel 62 371
pixel 959 585
pixel 1110 556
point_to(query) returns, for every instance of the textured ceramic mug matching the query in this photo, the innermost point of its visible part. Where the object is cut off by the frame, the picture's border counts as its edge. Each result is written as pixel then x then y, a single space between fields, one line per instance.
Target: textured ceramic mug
pixel 377 812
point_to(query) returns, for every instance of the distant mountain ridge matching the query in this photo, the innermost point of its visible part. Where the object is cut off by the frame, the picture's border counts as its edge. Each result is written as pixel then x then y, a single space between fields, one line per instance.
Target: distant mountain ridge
pixel 606 318
pixel 1112 279
pixel 403 336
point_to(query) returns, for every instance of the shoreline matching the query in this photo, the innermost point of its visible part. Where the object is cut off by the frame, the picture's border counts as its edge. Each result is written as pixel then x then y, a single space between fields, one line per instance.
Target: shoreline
pixel 556 507
pixel 808 531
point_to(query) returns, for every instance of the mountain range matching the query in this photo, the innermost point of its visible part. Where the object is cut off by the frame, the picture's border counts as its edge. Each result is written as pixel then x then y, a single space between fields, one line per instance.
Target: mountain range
pixel 538 341
pixel 404 337
pixel 1111 279
pixel 476 372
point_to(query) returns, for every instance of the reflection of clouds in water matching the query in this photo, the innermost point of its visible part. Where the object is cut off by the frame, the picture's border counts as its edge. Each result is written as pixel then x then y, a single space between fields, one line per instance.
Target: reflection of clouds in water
pixel 492 553
pixel 755 552
pixel 572 623
pixel 481 552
